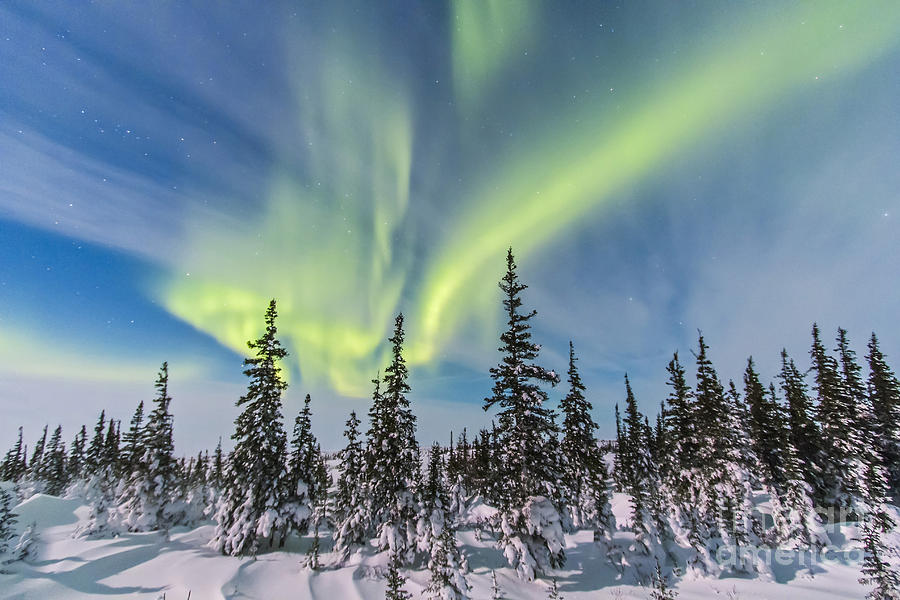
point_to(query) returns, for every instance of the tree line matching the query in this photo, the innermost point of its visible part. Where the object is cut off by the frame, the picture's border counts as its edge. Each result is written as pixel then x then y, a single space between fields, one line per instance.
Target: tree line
pixel 821 453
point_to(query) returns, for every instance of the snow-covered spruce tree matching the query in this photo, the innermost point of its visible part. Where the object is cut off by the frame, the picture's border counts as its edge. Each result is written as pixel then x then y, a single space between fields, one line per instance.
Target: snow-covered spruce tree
pixel 795 521
pixel 36 465
pixel 349 505
pixel 661 589
pixel 99 487
pixel 804 432
pixel 301 484
pixel 459 475
pixel 620 461
pixel 7 524
pixel 530 526
pixel 75 465
pixel 391 459
pixel 54 464
pixel 215 479
pixel 842 440
pixel 146 502
pixel 189 505
pixel 26 544
pixel 437 535
pixel 725 492
pixel 132 441
pixel 34 480
pixel 252 511
pixel 395 580
pixel 877 570
pixel 680 432
pixel 875 483
pixel 638 476
pixel 111 447
pixel 584 477
pixel 11 469
pixel 884 396
pixel 93 461
pixel 446 564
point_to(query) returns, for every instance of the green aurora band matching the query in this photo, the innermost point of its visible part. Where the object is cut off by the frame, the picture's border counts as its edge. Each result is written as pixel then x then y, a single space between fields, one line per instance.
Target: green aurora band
pixel 334 245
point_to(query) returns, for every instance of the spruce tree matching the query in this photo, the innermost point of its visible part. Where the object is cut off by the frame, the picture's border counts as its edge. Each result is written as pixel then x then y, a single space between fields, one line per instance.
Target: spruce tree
pixel 132 441
pixel 54 464
pixel 75 465
pixel 111 447
pixel 36 465
pixel 661 589
pixel 301 485
pixel 584 476
pixel 620 459
pixel 93 462
pixel 884 394
pixel 526 428
pixel 679 430
pixel 350 500
pixel 392 463
pixel 7 523
pixel 395 580
pixel 252 510
pixel 843 473
pixel 11 470
pixel 877 570
pixel 146 503
pixel 767 429
pixel 804 432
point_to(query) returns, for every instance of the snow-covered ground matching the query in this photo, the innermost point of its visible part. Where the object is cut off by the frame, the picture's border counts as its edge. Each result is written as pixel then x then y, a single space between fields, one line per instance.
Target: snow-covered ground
pixel 148 566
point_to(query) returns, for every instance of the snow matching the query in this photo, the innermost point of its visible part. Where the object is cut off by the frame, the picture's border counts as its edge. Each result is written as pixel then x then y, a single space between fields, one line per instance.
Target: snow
pixel 145 565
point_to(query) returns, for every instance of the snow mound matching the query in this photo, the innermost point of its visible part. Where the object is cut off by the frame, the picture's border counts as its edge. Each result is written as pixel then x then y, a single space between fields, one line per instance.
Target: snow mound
pixel 47 511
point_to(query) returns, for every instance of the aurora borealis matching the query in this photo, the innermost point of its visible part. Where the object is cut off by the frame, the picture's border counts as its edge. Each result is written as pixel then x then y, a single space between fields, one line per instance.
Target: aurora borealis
pixel 657 168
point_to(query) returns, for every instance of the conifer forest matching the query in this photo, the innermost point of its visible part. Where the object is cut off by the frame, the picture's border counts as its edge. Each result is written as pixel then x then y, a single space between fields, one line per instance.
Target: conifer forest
pixel 819 444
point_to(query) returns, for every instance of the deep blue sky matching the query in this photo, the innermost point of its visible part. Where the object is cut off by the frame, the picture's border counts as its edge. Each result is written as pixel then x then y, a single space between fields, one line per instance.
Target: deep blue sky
pixel 165 168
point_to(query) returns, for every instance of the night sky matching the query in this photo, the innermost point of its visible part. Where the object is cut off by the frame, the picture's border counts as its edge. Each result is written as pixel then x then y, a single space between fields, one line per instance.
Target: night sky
pixel 657 167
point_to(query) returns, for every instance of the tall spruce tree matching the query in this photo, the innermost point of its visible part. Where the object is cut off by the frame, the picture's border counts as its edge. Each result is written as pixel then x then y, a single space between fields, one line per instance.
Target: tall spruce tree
pixel 349 510
pixel 7 523
pixel 302 463
pixel 11 469
pixel 584 475
pixel 75 466
pixel 36 464
pixel 391 458
pixel 146 503
pixel 132 441
pixel 396 580
pixel 884 394
pixel 529 519
pixel 93 462
pixel 252 511
pixel 839 483
pixel 804 431
pixel 437 536
pixel 54 467
pixel 768 432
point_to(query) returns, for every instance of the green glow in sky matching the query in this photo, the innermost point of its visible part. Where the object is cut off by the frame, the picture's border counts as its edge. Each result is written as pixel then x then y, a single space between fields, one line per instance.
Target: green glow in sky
pixel 332 244
pixel 486 35
pixel 329 248
pixel 552 182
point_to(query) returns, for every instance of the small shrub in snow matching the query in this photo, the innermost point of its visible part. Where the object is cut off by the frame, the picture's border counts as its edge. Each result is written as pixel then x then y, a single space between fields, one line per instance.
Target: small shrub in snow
pixel 26 547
